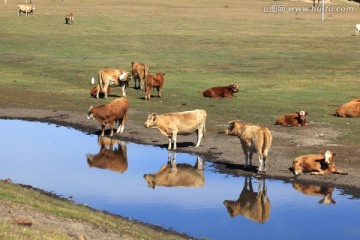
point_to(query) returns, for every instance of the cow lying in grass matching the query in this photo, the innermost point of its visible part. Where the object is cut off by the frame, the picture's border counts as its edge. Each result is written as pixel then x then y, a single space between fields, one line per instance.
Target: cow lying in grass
pixel 295 119
pixel 93 92
pixel 350 109
pixel 221 91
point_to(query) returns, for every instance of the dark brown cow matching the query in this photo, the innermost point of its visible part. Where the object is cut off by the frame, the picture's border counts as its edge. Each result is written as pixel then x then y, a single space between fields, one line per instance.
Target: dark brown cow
pixel 322 191
pixel 350 109
pixel 93 92
pixel 322 163
pixel 177 175
pixel 295 119
pixel 252 205
pixel 109 113
pixel 156 81
pixel 139 72
pixel 108 157
pixel 221 91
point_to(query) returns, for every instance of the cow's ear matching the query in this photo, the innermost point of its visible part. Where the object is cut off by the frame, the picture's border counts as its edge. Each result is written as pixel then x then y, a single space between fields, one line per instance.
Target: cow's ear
pixel 154 116
pixel 334 154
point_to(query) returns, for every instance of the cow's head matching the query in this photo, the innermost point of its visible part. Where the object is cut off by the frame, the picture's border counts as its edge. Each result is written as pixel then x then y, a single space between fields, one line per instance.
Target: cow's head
pixel 231 129
pixel 234 88
pixel 151 120
pixel 328 156
pixel 125 76
pixel 302 115
pixel 90 113
pixel 151 180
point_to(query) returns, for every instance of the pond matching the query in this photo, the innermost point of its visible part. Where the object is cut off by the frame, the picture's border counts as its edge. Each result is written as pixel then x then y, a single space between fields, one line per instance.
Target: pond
pixel 189 197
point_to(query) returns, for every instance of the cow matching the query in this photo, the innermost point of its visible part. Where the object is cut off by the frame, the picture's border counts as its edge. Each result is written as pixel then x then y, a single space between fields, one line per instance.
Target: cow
pixel 108 157
pixel 178 123
pixel 357 29
pixel 154 81
pixel 254 139
pixel 322 191
pixel 350 109
pixel 316 164
pixel 221 91
pixel 93 92
pixel 27 9
pixel 69 18
pixel 177 175
pixel 294 119
pixel 108 113
pixel 112 78
pixel 254 206
pixel 139 72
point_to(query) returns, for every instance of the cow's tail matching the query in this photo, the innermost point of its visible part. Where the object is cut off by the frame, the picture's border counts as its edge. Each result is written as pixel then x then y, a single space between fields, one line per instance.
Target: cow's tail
pixel 204 128
pixel 267 142
pixel 146 73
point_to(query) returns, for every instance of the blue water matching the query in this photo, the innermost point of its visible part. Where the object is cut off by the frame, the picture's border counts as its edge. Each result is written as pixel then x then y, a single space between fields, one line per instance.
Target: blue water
pixel 54 159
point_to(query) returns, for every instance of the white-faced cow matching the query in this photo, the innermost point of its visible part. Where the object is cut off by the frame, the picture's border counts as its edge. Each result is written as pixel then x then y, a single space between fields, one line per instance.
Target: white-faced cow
pixel 108 113
pixel 322 191
pixel 179 123
pixel 156 81
pixel 350 109
pixel 294 119
pixel 112 78
pixel 221 91
pixel 322 163
pixel 254 139
pixel 177 175
pixel 139 72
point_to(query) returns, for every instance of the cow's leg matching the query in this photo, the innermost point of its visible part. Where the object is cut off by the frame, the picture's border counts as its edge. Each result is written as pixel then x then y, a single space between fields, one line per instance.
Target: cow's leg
pixel 250 158
pixel 199 136
pixel 246 157
pixel 169 138
pixel 124 91
pixel 102 130
pixel 262 168
pixel 174 137
pixel 98 90
pixel 121 125
pixel 111 124
pixel 106 86
pixel 159 91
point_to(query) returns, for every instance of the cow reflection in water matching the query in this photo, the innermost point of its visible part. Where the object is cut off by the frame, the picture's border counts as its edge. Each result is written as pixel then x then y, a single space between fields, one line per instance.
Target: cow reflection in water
pixel 322 191
pixel 108 157
pixel 252 205
pixel 177 175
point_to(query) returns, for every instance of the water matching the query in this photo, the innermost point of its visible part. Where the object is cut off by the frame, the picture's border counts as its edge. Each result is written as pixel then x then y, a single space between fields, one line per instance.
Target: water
pixel 55 159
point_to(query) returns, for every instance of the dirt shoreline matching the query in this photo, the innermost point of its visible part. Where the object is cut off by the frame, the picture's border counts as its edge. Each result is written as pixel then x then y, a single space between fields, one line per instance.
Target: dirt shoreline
pixel 224 150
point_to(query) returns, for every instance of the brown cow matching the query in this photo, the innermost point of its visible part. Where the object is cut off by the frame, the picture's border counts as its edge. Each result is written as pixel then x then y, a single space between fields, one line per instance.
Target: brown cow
pixel 252 205
pixel 179 123
pixel 221 91
pixel 156 81
pixel 109 113
pixel 69 18
pixel 177 175
pixel 139 72
pixel 93 92
pixel 112 78
pixel 323 191
pixel 253 139
pixel 322 163
pixel 295 119
pixel 108 158
pixel 350 109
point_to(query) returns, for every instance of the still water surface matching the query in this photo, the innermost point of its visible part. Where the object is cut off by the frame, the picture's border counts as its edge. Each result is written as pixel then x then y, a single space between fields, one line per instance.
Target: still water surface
pixel 55 159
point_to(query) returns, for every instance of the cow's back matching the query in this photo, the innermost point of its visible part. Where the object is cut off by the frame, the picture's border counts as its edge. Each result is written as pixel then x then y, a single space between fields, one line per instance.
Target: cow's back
pixel 119 107
pixel 184 122
pixel 256 138
pixel 350 109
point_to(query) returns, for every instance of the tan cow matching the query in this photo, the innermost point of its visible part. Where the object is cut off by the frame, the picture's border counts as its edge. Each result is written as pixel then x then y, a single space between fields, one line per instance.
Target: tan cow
pixel 108 113
pixel 294 119
pixel 252 205
pixel 350 109
pixel 139 72
pixel 69 18
pixel 156 81
pixel 322 163
pixel 108 157
pixel 112 78
pixel 322 191
pixel 177 175
pixel 179 123
pixel 27 9
pixel 253 139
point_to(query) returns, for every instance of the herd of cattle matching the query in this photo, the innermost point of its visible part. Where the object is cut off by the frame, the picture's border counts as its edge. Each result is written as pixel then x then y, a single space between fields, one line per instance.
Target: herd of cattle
pixel 253 138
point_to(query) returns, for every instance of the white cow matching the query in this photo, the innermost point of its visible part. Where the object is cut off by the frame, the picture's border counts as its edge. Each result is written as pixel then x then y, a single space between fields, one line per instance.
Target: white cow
pixel 357 29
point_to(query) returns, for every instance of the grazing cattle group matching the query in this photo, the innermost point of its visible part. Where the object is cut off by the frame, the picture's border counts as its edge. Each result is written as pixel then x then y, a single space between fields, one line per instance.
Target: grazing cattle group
pixel 221 92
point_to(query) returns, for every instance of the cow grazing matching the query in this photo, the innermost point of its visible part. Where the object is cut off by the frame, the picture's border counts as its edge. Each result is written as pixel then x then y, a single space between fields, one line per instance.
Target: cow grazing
pixel 178 123
pixel 69 18
pixel 112 78
pixel 177 175
pixel 139 72
pixel 156 81
pixel 357 29
pixel 253 139
pixel 322 163
pixel 27 9
pixel 252 205
pixel 295 119
pixel 350 109
pixel 322 191
pixel 93 92
pixel 221 92
pixel 108 113
pixel 108 157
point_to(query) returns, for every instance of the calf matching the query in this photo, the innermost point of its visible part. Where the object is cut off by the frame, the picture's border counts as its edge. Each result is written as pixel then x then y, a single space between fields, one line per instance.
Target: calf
pixel 350 109
pixel 253 139
pixel 139 71
pixel 156 81
pixel 221 92
pixel 93 92
pixel 296 119
pixel 322 163
pixel 69 18
pixel 109 113
pixel 179 123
